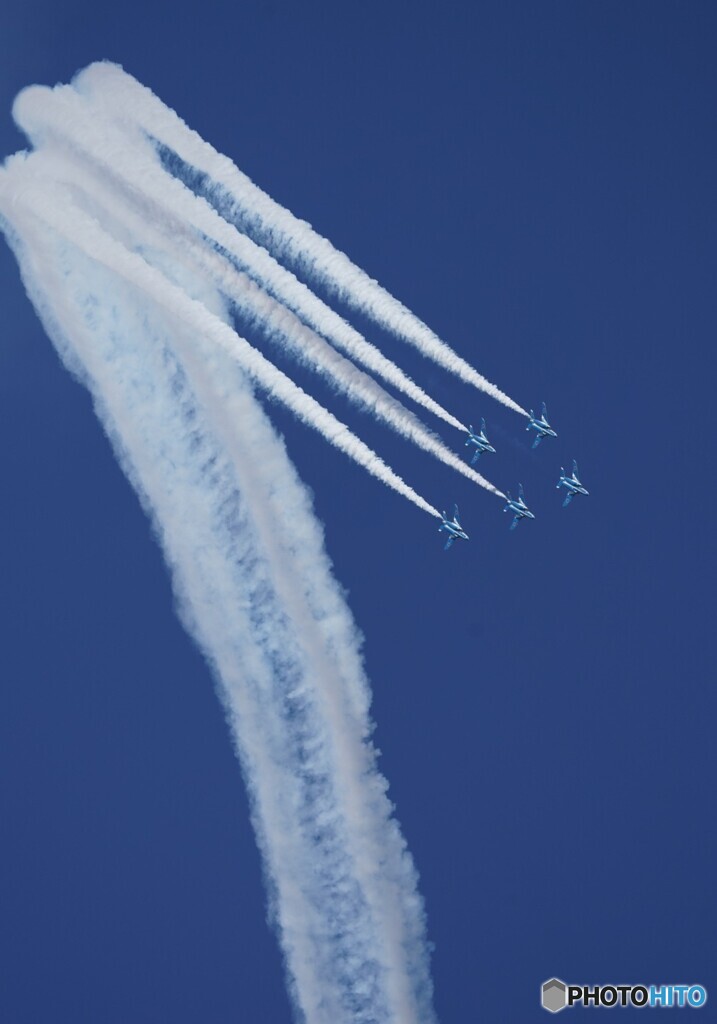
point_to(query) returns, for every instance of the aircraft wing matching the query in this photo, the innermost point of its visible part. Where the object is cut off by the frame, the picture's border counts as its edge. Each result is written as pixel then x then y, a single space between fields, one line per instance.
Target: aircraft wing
pixel 537 441
pixel 448 543
pixel 575 469
pixel 568 498
pixel 476 456
pixel 516 520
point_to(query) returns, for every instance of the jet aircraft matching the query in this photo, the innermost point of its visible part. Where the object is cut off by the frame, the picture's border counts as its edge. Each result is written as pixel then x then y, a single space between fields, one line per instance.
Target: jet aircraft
pixel 541 425
pixel 572 483
pixel 453 528
pixel 480 441
pixel 518 507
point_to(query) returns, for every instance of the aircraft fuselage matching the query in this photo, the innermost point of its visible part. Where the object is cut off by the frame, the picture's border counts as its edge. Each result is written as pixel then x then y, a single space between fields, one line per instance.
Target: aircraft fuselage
pixel 481 443
pixel 544 429
pixel 455 531
pixel 574 486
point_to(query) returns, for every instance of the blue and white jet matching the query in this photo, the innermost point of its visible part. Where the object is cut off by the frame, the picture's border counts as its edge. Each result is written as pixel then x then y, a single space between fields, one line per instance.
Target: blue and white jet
pixel 541 425
pixel 481 442
pixel 518 507
pixel 453 528
pixel 572 483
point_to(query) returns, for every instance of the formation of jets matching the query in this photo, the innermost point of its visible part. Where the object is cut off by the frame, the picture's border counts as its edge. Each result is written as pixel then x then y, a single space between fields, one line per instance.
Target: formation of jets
pixel 478 441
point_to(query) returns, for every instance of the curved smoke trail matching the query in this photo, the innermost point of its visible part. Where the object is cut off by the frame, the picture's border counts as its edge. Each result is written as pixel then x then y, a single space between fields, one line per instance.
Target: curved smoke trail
pixel 130 272
pixel 255 589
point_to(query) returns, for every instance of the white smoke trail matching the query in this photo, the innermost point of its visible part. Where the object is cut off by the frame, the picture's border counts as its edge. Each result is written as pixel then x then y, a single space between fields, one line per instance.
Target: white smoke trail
pixel 56 207
pixel 292 239
pixel 255 589
pixel 123 265
pixel 62 116
pixel 311 349
pixel 259 307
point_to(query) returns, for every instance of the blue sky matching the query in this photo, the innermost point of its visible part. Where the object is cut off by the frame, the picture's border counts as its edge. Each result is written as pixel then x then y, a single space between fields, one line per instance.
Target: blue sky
pixel 536 181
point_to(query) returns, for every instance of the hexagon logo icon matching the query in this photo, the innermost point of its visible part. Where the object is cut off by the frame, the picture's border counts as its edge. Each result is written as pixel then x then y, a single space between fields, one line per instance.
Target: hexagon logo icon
pixel 553 995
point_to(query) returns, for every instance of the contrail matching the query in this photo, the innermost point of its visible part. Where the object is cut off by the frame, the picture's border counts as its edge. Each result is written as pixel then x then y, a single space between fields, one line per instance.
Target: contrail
pixel 135 279
pixel 293 240
pixel 53 115
pixel 312 350
pixel 57 209
pixel 255 589
pixel 61 114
